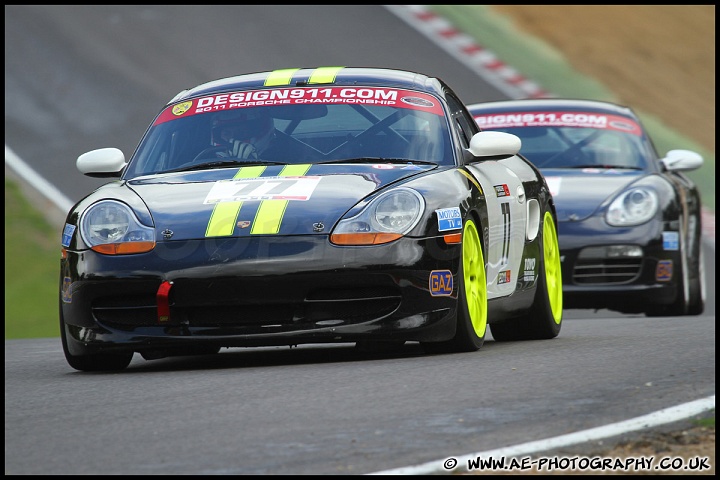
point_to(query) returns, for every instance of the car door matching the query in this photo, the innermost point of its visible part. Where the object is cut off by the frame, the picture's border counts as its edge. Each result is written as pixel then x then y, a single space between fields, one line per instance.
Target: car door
pixel 507 218
pixel 506 209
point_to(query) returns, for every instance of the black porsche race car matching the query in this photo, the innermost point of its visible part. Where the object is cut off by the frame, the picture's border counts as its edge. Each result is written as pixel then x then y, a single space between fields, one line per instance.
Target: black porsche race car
pixel 629 220
pixel 303 206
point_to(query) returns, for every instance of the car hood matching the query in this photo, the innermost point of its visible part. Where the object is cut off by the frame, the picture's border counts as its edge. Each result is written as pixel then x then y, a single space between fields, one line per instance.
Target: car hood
pixel 578 194
pixel 261 200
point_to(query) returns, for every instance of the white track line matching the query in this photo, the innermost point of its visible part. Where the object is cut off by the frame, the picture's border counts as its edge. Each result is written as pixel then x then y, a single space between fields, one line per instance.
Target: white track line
pixel 661 417
pixel 36 181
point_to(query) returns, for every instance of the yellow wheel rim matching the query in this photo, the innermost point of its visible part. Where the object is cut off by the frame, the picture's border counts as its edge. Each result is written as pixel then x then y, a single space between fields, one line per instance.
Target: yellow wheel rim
pixel 474 278
pixel 553 274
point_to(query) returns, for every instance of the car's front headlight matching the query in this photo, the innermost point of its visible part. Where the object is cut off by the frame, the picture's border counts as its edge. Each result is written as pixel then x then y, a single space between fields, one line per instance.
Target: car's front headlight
pixel 386 218
pixel 632 207
pixel 111 227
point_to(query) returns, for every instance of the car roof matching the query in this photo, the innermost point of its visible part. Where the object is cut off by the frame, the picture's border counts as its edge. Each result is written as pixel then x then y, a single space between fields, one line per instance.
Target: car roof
pixel 553 104
pixel 340 76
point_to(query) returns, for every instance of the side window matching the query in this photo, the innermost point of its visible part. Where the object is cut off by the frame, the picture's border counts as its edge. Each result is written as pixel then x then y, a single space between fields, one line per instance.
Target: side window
pixel 464 123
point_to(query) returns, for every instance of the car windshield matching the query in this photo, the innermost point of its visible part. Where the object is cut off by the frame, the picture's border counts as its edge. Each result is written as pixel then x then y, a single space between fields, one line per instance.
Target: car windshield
pixel 213 132
pixel 553 144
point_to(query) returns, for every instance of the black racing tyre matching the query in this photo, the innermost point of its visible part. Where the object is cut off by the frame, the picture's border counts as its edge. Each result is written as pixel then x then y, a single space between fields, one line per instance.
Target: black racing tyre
pixel 472 314
pixel 696 304
pixel 96 362
pixel 544 319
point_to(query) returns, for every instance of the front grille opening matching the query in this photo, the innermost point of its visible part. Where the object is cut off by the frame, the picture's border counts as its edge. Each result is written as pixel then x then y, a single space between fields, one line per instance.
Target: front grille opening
pixel 346 306
pixel 606 271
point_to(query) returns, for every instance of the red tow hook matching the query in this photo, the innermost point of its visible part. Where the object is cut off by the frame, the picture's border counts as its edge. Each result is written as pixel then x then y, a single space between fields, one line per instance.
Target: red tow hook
pixel 163 301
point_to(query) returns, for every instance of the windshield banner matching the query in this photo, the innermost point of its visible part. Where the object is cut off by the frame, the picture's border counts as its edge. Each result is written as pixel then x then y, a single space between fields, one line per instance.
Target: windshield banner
pixel 558 119
pixel 303 96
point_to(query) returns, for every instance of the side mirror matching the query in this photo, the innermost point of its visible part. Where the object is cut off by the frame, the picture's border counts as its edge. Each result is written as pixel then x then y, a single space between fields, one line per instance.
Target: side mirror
pixel 105 162
pixel 493 144
pixel 682 160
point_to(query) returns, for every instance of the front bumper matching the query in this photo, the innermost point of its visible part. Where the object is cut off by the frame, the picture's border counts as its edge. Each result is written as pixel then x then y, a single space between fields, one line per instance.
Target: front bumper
pixel 595 278
pixel 258 292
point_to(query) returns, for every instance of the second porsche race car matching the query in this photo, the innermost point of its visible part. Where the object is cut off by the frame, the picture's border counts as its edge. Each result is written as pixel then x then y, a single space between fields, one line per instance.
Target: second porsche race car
pixel 629 220
pixel 309 206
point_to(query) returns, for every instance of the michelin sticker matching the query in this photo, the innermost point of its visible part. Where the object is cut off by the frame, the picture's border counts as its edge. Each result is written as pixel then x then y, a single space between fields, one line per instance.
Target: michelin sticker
pixel 449 219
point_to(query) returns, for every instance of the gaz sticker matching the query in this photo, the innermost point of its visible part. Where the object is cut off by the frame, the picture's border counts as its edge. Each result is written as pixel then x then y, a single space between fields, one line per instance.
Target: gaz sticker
pixel 664 271
pixel 66 292
pixel 441 283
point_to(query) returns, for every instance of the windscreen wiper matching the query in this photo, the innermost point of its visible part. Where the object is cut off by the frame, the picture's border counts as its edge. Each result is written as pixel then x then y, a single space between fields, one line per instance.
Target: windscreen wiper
pixel 223 164
pixel 378 160
pixel 602 166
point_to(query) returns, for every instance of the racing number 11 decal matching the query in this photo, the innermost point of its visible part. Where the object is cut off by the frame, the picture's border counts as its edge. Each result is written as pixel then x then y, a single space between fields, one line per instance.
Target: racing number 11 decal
pixel 505 208
pixel 506 212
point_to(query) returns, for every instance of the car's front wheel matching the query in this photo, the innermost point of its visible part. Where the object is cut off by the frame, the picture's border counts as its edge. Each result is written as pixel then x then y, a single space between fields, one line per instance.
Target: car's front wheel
pixel 696 305
pixel 472 312
pixel 96 362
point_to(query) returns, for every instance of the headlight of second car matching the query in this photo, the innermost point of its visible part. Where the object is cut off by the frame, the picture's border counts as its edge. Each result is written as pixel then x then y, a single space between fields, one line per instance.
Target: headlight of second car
pixel 632 207
pixel 111 227
pixel 386 218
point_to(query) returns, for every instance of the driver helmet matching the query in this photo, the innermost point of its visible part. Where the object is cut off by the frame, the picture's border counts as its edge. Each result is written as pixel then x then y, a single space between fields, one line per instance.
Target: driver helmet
pixel 249 125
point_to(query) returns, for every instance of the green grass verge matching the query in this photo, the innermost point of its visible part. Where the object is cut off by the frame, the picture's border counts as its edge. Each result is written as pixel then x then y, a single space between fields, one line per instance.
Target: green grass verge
pixel 32 266
pixel 706 422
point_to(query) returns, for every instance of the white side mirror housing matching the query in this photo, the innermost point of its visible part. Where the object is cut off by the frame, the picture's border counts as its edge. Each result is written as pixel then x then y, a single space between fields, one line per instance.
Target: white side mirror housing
pixel 490 143
pixel 104 162
pixel 682 160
